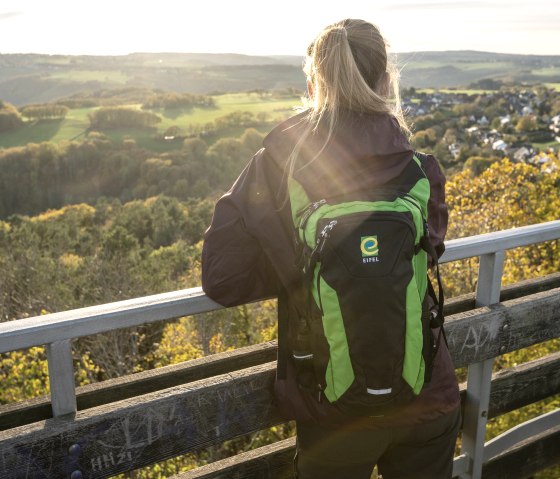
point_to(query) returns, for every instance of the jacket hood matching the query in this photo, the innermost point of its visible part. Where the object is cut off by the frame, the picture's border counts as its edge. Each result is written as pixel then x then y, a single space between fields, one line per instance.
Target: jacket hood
pixel 364 151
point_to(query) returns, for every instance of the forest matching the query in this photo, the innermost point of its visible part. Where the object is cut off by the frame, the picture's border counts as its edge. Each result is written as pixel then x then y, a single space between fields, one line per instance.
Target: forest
pixel 98 219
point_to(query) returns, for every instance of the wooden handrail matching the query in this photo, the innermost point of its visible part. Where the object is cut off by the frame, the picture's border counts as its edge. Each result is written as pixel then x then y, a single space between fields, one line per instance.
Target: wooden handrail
pixel 144 429
pixel 116 437
pixel 38 330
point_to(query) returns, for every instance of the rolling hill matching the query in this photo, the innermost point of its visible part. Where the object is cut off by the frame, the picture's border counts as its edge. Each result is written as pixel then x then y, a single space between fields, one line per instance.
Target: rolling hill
pixel 34 78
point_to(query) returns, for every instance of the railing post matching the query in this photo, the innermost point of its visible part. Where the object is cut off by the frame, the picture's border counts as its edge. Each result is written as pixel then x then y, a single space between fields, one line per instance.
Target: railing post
pixel 480 374
pixel 61 378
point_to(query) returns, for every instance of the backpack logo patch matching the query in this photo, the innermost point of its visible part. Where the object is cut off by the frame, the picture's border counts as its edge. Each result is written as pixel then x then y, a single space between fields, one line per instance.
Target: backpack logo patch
pixel 370 249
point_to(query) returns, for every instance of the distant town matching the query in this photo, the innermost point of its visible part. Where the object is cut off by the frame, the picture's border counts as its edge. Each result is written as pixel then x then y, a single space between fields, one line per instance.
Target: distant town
pixel 520 123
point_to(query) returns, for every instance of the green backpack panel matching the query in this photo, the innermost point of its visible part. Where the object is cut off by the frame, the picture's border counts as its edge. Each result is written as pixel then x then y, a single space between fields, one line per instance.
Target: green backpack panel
pixel 364 340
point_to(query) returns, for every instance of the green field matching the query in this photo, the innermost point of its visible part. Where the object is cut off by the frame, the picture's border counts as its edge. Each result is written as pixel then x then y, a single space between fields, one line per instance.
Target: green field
pixel 110 76
pixel 453 90
pixel 225 104
pixel 555 86
pixel 76 121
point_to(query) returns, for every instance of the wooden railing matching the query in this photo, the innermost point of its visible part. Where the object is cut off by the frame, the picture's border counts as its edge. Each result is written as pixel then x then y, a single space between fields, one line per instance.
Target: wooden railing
pixel 118 425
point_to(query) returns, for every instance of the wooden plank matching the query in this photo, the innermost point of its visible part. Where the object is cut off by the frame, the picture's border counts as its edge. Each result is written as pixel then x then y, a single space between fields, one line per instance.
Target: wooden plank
pixel 525 384
pixel 39 330
pixel 518 434
pixel 530 286
pixel 112 390
pixel 61 378
pixel 522 385
pixel 146 429
pixel 274 461
pixel 479 377
pixel 38 409
pixel 488 332
pixel 526 287
pixel 500 240
pixel 533 455
pixel 104 441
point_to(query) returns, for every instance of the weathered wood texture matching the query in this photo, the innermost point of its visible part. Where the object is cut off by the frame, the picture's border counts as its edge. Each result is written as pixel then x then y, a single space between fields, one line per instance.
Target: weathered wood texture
pixel 489 243
pixel 136 432
pixel 488 332
pixel 72 324
pixel 533 455
pixel 105 440
pixel 38 409
pixel 526 287
pixel 524 384
pixel 268 462
pixel 76 323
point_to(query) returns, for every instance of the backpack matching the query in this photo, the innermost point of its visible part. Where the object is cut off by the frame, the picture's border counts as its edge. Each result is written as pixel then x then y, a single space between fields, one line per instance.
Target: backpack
pixel 361 338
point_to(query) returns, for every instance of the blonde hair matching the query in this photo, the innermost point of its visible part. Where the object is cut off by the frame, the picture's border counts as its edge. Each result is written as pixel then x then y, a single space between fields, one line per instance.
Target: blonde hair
pixel 347 68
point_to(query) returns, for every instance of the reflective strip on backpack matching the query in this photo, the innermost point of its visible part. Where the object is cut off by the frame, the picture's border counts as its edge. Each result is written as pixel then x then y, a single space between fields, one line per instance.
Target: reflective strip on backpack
pixel 379 392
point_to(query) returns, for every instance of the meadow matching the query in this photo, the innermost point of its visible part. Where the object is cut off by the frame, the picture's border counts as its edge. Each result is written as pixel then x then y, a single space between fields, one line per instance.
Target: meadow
pixel 76 122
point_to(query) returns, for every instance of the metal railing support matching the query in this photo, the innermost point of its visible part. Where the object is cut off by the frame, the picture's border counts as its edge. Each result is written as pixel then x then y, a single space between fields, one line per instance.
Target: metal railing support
pixel 480 374
pixel 61 378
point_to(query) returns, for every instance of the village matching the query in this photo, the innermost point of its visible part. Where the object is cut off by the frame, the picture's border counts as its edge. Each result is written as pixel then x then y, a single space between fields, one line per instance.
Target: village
pixel 520 123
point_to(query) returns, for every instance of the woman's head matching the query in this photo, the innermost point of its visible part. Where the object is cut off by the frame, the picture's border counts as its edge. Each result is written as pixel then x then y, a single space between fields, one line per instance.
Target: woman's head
pixel 347 67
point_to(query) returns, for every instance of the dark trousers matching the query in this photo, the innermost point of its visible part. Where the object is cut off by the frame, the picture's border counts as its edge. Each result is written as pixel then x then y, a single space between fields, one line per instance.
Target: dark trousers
pixel 423 451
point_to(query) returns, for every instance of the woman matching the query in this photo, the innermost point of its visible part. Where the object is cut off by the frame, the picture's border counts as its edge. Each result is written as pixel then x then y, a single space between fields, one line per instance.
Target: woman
pixel 351 140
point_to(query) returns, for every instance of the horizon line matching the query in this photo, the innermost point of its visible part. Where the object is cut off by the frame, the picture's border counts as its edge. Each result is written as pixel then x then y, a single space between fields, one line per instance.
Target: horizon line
pixel 266 55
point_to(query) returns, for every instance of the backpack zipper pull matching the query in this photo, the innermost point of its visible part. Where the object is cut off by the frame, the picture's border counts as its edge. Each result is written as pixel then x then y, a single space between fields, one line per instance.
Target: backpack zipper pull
pixel 325 234
pixel 307 212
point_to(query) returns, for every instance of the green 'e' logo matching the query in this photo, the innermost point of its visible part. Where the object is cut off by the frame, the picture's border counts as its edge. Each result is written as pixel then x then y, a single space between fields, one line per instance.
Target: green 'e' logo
pixel 369 246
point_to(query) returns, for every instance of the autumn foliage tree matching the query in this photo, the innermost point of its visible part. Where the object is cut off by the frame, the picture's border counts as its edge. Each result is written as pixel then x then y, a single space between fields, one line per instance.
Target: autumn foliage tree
pixel 44 112
pixel 10 117
pixel 121 117
pixel 505 195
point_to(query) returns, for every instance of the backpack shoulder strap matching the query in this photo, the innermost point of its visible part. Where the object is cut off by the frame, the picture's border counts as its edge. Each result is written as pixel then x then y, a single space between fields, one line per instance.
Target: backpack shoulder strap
pixel 283 332
pixel 422 157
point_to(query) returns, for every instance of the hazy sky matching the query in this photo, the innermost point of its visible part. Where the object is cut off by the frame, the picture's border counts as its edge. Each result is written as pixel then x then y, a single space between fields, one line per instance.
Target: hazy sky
pixel 117 27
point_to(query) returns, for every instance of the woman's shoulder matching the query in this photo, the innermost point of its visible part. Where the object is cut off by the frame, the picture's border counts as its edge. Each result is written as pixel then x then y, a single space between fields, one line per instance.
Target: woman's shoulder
pixel 429 164
pixel 283 137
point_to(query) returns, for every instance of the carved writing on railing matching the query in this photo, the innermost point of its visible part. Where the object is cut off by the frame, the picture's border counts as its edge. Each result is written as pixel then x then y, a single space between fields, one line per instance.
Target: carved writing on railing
pixel 131 433
pixel 487 332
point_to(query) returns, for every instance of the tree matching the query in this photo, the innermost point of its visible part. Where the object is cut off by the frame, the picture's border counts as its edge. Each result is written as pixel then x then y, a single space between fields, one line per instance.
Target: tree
pixel 120 117
pixel 477 164
pixel 505 195
pixel 43 112
pixel 526 123
pixel 10 118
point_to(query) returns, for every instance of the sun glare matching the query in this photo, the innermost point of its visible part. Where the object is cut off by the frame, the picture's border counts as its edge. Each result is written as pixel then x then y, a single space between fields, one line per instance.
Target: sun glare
pixel 247 27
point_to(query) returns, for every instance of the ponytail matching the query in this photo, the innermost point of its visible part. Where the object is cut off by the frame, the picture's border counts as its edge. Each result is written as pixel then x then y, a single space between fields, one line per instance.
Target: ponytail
pixel 347 68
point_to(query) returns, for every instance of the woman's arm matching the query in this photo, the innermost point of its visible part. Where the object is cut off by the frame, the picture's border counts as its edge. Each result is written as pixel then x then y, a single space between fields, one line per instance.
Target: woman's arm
pixel 235 268
pixel 437 208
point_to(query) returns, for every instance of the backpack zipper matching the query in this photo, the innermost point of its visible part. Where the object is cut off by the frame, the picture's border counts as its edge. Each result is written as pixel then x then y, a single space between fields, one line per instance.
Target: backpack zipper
pixel 317 252
pixel 410 199
pixel 306 214
pixel 323 236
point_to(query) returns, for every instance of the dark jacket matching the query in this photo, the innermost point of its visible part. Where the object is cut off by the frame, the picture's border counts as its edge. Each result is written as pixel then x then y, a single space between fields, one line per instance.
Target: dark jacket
pixel 249 249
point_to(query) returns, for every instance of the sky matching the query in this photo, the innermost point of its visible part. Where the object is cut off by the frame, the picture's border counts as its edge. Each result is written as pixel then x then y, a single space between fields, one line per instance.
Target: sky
pixel 279 27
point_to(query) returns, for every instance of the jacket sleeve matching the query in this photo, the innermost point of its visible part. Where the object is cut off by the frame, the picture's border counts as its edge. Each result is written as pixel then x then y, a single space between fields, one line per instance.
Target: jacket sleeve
pixel 235 268
pixel 437 208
